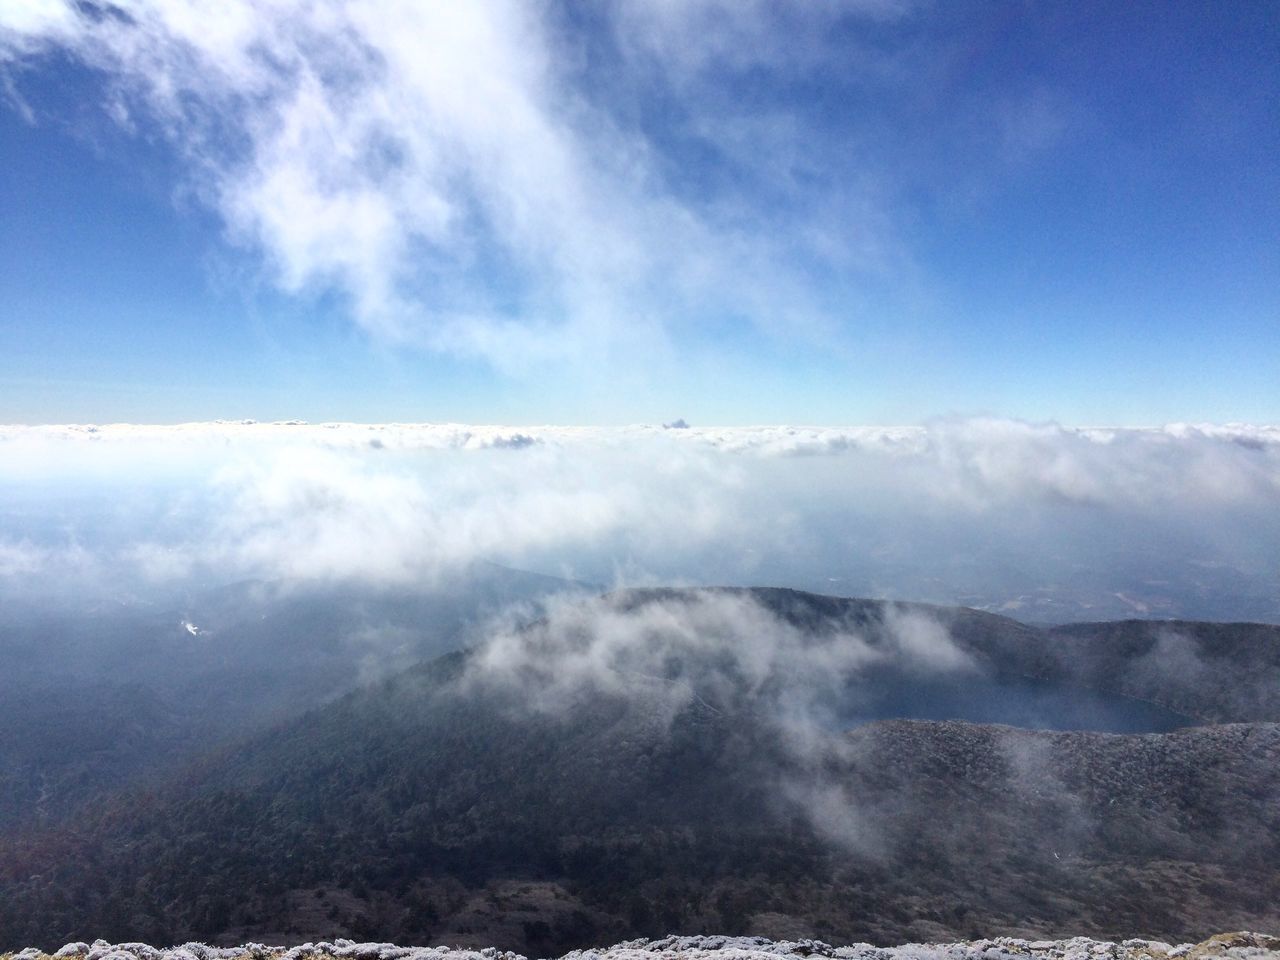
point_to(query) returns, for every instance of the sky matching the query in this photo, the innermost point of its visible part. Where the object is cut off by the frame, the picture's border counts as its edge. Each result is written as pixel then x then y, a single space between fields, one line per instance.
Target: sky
pixel 971 303
pixel 863 212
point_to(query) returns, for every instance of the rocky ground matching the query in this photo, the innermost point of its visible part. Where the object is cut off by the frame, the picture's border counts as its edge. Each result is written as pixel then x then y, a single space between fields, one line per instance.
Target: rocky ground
pixel 1233 946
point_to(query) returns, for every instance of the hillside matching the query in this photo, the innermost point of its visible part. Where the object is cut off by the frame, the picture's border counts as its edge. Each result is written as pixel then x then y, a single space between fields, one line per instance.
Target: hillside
pixel 698 760
pixel 99 698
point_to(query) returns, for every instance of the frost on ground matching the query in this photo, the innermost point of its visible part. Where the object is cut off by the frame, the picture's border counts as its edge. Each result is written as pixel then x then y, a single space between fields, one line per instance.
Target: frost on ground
pixel 1232 946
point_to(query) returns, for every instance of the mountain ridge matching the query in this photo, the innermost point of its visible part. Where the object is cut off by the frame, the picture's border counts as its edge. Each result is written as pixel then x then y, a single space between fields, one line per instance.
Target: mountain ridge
pixel 446 802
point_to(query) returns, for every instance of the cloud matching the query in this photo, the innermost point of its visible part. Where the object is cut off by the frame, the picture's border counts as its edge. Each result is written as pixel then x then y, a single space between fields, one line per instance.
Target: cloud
pixel 39 568
pixel 451 168
pixel 709 646
pixel 692 44
pixel 923 641
pixel 977 463
pixel 20 558
pixel 1173 664
pixel 723 652
pixel 1053 522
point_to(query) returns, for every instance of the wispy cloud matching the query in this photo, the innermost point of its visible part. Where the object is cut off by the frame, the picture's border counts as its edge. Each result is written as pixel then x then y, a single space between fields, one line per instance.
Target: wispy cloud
pixel 723 653
pixel 455 170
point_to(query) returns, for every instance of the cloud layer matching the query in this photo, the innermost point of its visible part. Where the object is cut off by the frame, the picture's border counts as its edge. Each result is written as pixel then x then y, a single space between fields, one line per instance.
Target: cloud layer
pixel 1044 521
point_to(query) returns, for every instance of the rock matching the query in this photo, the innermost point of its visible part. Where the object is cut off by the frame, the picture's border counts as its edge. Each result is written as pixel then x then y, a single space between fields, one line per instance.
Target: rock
pixel 1240 945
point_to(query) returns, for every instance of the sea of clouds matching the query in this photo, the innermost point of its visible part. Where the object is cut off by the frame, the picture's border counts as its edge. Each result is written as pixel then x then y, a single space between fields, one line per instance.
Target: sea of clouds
pixel 1039 520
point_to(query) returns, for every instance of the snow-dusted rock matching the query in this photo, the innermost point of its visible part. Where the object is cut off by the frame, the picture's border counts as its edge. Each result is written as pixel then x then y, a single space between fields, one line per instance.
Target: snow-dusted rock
pixel 1227 946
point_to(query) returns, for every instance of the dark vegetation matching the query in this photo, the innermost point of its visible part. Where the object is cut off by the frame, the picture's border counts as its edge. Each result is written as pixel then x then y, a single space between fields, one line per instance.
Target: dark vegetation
pixel 425 809
pixel 98 698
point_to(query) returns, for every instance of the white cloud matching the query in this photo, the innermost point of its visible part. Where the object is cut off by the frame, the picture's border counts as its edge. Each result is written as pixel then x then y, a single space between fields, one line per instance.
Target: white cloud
pixel 923 640
pixel 721 652
pixel 20 558
pixel 700 645
pixel 1053 522
pixel 445 165
pixel 25 561
pixel 696 38
pixel 973 463
pixel 313 513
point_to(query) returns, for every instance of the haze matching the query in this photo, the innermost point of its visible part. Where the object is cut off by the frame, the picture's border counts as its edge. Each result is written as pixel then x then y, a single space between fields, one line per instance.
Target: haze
pixel 535 474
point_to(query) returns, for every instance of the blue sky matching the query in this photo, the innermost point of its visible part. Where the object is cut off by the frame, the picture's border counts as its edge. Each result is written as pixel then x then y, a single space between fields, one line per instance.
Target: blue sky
pixel 732 212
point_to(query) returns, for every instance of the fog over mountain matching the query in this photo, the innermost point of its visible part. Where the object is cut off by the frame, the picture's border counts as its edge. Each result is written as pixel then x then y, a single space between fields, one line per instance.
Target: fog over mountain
pixel 752 478
pixel 739 759
pixel 298 678
pixel 1050 523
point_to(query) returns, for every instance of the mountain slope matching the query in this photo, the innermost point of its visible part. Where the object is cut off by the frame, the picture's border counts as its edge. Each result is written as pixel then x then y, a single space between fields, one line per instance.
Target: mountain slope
pixel 1214 671
pixel 679 760
pixel 97 700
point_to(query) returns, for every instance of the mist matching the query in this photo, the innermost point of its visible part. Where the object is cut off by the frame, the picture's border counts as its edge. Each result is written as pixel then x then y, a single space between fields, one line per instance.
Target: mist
pixel 1042 522
pixel 799 678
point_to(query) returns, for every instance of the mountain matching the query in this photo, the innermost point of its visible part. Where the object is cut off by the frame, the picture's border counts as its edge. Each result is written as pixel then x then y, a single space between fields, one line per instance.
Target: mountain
pixel 747 761
pixel 1218 672
pixel 98 698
